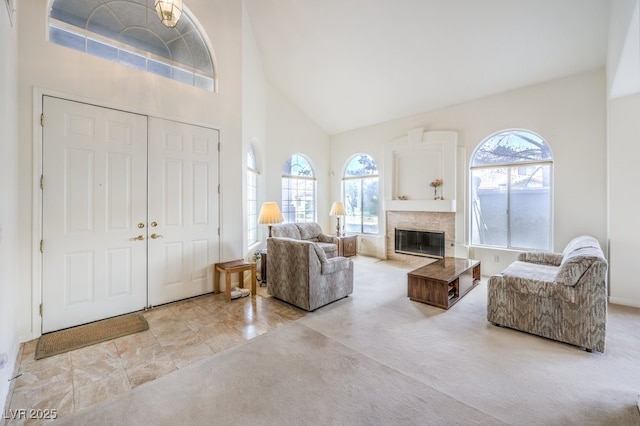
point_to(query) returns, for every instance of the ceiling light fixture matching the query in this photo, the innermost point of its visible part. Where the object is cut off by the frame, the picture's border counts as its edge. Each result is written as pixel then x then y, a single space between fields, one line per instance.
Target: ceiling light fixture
pixel 169 11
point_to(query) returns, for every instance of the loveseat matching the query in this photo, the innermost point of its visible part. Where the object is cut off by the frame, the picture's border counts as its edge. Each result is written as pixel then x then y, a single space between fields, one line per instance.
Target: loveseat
pixel 558 296
pixel 307 231
pixel 301 273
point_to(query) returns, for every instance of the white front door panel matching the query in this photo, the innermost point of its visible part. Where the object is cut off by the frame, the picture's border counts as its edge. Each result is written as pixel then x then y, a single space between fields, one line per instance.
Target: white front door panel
pixel 94 197
pixel 183 206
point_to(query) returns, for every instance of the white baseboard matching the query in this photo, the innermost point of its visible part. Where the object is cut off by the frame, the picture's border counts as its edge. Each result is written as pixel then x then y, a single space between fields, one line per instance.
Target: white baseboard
pixel 625 302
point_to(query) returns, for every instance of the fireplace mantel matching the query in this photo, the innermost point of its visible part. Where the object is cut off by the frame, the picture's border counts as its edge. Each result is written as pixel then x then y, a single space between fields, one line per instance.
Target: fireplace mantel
pixel 420 205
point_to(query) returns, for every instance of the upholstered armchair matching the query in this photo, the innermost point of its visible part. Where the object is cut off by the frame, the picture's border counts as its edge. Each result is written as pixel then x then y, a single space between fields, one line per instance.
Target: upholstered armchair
pixel 301 273
pixel 558 296
pixel 308 231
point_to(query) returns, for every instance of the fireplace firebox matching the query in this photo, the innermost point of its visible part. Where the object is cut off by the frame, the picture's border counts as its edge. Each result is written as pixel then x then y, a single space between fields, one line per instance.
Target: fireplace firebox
pixel 419 242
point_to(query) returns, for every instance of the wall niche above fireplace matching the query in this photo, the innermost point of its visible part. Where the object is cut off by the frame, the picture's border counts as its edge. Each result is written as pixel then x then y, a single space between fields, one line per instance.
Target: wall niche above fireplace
pixel 415 160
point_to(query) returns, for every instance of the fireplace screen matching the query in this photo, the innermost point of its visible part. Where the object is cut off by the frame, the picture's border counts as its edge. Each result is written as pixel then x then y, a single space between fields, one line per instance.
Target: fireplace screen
pixel 420 243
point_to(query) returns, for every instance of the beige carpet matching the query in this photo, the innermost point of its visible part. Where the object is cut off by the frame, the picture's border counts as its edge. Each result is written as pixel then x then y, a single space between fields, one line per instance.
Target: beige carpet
pixel 377 358
pixel 89 334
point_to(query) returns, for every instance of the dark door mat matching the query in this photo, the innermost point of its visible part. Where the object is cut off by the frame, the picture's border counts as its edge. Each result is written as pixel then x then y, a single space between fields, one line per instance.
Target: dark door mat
pixel 69 339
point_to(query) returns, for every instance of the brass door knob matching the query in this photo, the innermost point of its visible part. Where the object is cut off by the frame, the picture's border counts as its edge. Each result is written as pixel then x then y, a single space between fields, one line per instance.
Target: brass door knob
pixel 138 238
pixel 154 236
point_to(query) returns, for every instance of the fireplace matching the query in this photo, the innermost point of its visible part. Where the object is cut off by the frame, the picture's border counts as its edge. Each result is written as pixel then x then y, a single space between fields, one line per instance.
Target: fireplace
pixel 419 242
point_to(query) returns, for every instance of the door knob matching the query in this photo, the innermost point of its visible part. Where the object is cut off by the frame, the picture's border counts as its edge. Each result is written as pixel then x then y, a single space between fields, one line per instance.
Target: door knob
pixel 138 238
pixel 154 236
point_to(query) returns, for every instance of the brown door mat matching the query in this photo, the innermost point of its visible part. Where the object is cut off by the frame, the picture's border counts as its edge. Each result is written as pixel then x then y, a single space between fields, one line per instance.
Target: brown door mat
pixel 69 339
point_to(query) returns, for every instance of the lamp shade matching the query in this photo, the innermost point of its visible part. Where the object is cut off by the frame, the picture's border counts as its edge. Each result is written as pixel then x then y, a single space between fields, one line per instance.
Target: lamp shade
pixel 337 209
pixel 270 213
pixel 169 11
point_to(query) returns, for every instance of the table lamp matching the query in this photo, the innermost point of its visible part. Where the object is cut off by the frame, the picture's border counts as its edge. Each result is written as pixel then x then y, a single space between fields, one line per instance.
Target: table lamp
pixel 270 214
pixel 337 209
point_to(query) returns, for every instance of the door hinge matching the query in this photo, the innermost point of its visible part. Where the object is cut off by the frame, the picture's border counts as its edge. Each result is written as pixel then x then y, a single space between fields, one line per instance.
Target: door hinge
pixel 42 119
pixel 218 188
pixel 41 246
pixel 218 231
pixel 218 146
pixel 41 181
pixel 41 309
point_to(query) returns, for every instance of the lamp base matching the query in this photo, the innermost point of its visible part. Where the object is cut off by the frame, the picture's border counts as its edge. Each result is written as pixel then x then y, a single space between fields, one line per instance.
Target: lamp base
pixel 338 228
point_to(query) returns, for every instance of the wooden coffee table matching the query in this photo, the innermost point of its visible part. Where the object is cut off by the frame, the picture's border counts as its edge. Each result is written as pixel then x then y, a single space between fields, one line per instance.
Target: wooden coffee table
pixel 443 282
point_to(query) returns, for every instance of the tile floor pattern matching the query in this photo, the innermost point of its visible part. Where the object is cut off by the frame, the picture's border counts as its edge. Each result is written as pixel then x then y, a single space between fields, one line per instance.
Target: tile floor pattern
pixel 179 334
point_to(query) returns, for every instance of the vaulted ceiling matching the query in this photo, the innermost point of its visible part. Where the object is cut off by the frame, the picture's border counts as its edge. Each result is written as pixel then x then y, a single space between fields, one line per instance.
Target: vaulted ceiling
pixel 352 63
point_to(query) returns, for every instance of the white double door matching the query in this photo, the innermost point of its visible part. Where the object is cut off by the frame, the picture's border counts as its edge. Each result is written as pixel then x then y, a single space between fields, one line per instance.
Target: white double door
pixel 129 212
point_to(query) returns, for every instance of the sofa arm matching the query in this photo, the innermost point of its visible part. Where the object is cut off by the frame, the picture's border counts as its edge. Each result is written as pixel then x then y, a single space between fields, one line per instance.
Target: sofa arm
pixel 324 238
pixel 541 258
pixel 335 264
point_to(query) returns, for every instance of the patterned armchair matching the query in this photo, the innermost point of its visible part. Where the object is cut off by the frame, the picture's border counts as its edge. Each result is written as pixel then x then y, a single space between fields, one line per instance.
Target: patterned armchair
pixel 308 231
pixel 301 273
pixel 558 296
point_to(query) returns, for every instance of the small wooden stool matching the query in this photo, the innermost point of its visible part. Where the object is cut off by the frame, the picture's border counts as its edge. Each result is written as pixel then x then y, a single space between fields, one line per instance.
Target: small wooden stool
pixel 229 268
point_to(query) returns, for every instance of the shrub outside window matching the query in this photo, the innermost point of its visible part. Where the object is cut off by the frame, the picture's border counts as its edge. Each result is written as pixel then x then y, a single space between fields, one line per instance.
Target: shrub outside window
pixel 511 191
pixel 298 190
pixel 360 195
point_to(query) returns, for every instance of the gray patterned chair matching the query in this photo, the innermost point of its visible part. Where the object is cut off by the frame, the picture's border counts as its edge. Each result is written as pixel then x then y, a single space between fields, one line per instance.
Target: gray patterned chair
pixel 558 296
pixel 308 231
pixel 301 273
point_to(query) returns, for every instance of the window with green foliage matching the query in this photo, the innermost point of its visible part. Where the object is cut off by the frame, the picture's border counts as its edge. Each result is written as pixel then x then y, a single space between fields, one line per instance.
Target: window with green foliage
pixel 360 195
pixel 511 191
pixel 298 190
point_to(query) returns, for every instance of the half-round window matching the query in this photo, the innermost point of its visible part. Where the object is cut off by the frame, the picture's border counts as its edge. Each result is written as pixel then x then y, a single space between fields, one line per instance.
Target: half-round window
pixel 129 32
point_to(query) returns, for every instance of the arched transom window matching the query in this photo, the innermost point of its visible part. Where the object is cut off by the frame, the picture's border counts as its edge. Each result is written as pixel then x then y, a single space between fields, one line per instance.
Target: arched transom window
pixel 129 32
pixel 298 190
pixel 511 191
pixel 360 195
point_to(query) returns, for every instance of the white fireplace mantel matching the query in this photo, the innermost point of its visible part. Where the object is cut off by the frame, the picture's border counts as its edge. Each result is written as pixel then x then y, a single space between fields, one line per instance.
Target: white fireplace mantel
pixel 420 205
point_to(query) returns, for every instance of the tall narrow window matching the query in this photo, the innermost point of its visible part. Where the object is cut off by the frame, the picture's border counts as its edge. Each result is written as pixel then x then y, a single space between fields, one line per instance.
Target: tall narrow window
pixel 511 191
pixel 252 197
pixel 360 195
pixel 298 190
pixel 129 32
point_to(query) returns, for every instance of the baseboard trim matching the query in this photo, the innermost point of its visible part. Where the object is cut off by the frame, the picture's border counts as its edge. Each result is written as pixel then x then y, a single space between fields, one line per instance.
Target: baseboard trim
pixel 624 302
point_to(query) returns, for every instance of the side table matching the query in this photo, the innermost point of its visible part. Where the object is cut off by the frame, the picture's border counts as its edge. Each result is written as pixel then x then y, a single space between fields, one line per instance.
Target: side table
pixel 348 245
pixel 263 268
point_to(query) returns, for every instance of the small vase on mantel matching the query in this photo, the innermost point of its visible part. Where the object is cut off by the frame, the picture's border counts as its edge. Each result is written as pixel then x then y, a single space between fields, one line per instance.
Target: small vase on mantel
pixel 436 184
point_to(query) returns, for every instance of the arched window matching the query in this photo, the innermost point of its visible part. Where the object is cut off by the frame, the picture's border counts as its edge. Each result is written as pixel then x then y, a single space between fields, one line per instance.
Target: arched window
pixel 252 197
pixel 129 32
pixel 298 190
pixel 360 195
pixel 511 191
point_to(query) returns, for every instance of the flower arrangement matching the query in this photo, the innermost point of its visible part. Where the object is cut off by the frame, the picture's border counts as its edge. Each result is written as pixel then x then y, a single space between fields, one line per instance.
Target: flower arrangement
pixel 435 184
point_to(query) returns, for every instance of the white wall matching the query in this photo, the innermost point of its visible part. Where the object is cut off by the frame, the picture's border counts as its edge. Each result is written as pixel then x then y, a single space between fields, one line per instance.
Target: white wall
pixel 254 99
pixel 624 152
pixel 290 131
pixel 624 204
pixel 50 67
pixel 569 113
pixel 9 213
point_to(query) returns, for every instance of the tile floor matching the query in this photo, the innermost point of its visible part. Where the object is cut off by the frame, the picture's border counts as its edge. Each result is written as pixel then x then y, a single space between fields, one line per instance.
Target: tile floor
pixel 179 334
